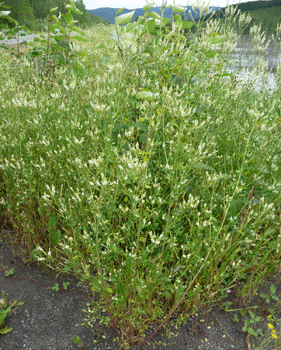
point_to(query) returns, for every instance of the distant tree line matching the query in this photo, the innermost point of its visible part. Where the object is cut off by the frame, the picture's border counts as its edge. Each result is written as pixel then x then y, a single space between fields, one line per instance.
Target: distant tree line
pixel 248 6
pixel 265 14
pixel 33 13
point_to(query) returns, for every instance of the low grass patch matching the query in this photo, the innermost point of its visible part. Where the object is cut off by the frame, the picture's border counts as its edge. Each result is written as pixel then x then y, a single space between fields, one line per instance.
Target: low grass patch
pixel 142 166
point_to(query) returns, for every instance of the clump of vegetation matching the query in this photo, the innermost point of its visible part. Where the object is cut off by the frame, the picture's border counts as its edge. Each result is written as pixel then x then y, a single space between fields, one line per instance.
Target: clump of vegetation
pixel 145 167
pixel 33 14
pixel 4 311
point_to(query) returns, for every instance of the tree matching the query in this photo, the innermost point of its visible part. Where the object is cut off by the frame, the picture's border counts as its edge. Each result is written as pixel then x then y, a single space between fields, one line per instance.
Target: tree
pixel 21 10
pixel 39 8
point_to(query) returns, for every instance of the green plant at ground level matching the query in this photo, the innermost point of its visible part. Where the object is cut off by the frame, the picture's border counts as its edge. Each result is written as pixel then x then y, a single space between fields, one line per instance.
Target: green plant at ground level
pixel 56 287
pixel 76 340
pixel 248 326
pixel 4 311
pixel 10 272
pixel 262 331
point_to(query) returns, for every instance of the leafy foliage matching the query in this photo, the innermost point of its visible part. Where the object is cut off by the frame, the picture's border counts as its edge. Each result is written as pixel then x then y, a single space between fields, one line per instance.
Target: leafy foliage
pixel 31 13
pixel 4 311
pixel 140 163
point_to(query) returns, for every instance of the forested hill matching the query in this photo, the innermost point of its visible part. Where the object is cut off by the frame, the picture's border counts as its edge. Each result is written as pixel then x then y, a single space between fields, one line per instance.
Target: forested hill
pixel 33 13
pixel 265 14
pixel 249 6
pixel 108 13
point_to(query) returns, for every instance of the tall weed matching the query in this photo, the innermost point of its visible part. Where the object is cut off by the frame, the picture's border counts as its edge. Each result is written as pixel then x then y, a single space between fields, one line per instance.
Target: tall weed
pixel 154 177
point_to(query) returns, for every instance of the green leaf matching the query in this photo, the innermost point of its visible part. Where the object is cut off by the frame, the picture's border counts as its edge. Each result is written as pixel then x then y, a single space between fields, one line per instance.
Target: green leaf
pixel 187 24
pixel 251 331
pixel 109 290
pixel 151 25
pixel 10 272
pixel 147 7
pixel 80 38
pixel 264 296
pixel 178 19
pixel 65 284
pixel 165 21
pixel 69 18
pixel 5 15
pixel 3 315
pixel 149 50
pixel 148 61
pixel 77 12
pixel 56 287
pixel 131 26
pixel 217 39
pixel 272 289
pixel 59 27
pixel 141 20
pixel 71 7
pixel 120 10
pixel 123 19
pixel 78 30
pixel 153 15
pixel 210 54
pixel 55 18
pixel 170 35
pixel 252 314
pixel 142 239
pixel 53 9
pixel 5 330
pixel 76 340
pixel 59 37
pixel 145 95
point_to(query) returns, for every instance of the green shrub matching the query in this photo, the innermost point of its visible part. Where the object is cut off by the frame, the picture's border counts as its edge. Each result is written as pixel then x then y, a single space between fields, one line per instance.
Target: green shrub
pixel 154 177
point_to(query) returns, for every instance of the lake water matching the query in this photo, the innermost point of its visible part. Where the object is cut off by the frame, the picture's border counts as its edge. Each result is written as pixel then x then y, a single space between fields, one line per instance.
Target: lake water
pixel 246 60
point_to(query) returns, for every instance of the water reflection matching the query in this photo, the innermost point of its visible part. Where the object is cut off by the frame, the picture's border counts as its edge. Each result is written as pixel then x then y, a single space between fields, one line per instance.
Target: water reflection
pixel 245 61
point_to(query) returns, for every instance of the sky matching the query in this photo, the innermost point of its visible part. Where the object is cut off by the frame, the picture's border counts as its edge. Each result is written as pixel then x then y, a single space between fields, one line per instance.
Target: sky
pixel 132 4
